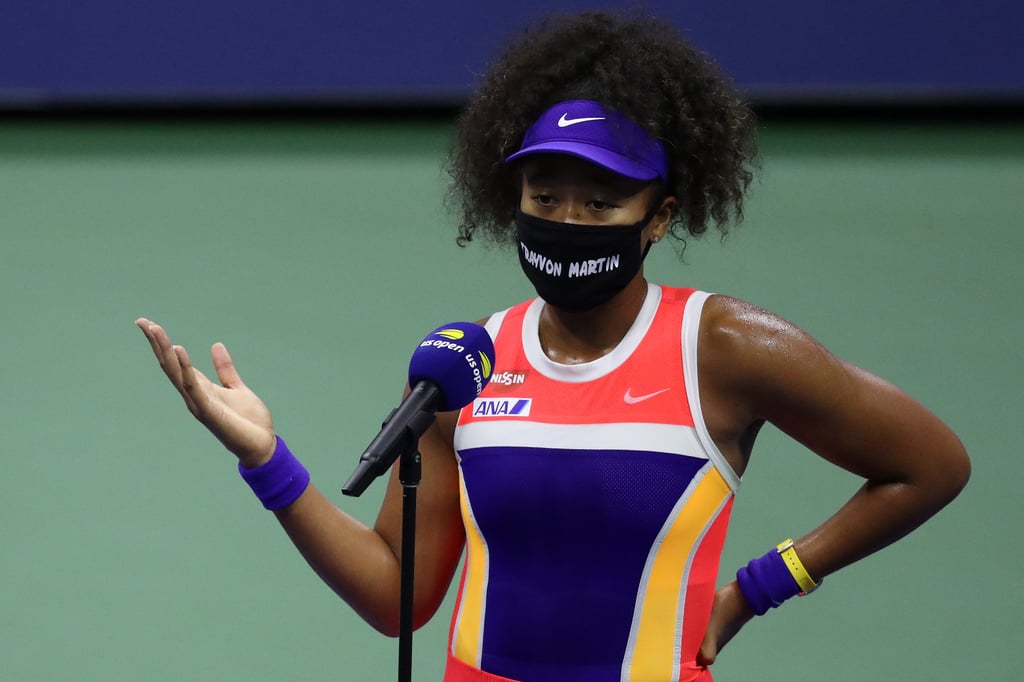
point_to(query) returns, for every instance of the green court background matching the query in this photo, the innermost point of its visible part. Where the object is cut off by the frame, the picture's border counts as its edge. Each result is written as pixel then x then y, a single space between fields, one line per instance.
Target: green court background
pixel 321 253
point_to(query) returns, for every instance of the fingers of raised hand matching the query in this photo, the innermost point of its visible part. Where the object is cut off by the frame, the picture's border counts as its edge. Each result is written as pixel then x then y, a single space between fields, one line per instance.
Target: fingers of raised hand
pixel 147 328
pixel 226 372
pixel 167 355
pixel 149 331
pixel 195 387
pixel 162 349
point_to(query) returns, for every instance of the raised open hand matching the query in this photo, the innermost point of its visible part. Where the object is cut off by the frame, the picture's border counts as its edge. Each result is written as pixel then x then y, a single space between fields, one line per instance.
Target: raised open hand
pixel 231 411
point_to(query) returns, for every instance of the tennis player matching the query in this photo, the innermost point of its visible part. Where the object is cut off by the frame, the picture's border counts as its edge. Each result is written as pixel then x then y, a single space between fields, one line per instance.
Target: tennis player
pixel 590 485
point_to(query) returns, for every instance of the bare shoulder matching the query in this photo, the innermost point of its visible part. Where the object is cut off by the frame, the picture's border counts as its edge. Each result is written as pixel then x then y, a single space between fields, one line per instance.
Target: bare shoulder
pixel 728 319
pixel 743 343
pixel 759 366
pixel 755 366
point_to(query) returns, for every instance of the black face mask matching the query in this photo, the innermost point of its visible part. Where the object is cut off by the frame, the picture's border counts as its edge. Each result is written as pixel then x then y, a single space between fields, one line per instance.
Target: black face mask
pixel 579 267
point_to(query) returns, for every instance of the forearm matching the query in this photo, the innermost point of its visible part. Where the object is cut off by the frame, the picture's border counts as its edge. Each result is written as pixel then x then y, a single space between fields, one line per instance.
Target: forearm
pixel 351 558
pixel 879 514
pixel 912 464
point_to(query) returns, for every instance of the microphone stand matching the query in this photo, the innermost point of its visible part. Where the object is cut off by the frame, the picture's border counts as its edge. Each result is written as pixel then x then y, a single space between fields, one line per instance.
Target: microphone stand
pixel 374 462
pixel 409 471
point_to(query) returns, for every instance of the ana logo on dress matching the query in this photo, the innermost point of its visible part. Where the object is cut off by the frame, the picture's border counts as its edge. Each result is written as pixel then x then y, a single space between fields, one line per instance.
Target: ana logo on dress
pixel 502 407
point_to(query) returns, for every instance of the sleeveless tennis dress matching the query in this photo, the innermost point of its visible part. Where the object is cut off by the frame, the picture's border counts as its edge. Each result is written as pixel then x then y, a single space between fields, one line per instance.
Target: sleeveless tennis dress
pixel 595 505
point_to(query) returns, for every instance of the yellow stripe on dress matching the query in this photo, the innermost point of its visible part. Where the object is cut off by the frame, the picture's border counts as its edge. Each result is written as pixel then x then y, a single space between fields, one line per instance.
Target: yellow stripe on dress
pixel 656 637
pixel 468 631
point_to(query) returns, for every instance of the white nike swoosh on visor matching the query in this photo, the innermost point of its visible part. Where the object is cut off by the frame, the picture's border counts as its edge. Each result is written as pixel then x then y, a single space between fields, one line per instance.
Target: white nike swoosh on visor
pixel 634 399
pixel 566 122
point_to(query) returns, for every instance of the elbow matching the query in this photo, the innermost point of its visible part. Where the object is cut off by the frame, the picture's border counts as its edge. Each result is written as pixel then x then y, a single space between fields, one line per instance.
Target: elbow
pixel 934 483
pixel 951 475
pixel 387 628
pixel 391 633
pixel 391 626
pixel 384 624
pixel 960 473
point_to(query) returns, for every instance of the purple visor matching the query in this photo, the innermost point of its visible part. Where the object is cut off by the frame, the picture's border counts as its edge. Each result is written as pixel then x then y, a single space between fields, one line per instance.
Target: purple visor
pixel 603 136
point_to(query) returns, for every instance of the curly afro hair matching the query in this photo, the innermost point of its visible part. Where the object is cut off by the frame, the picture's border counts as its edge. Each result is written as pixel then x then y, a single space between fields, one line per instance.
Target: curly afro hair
pixel 638 65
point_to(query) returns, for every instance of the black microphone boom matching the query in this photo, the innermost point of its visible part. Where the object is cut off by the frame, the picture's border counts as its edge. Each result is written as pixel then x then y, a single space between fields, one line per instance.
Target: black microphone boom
pixel 447 371
pixel 399 434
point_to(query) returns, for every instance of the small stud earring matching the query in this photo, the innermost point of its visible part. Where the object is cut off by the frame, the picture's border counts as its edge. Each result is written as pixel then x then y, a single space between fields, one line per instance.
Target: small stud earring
pixel 655 239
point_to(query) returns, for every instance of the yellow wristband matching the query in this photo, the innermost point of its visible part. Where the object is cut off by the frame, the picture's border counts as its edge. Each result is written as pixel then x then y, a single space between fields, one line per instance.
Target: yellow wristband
pixel 796 567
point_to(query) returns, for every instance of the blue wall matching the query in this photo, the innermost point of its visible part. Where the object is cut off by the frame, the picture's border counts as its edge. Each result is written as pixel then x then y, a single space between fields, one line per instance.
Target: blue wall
pixel 207 51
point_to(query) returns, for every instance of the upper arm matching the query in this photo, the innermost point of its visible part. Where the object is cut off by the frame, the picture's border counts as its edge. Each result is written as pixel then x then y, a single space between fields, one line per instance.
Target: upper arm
pixel 440 534
pixel 439 530
pixel 766 368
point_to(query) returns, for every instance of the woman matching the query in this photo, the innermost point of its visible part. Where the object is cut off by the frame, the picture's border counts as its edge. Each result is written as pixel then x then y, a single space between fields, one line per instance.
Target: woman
pixel 594 514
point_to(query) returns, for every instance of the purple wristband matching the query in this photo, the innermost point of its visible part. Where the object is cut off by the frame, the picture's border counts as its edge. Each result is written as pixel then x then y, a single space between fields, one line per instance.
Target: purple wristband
pixel 766 582
pixel 280 480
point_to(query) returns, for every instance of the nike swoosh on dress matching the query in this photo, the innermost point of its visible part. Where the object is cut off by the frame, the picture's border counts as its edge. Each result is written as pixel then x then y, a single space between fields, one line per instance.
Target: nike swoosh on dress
pixel 634 399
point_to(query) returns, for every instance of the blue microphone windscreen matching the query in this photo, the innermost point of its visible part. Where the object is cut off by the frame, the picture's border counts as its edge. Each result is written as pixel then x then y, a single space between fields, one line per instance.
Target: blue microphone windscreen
pixel 458 357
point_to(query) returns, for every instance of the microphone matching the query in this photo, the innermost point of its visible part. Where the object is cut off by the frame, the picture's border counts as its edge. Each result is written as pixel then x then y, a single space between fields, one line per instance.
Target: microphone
pixel 447 371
